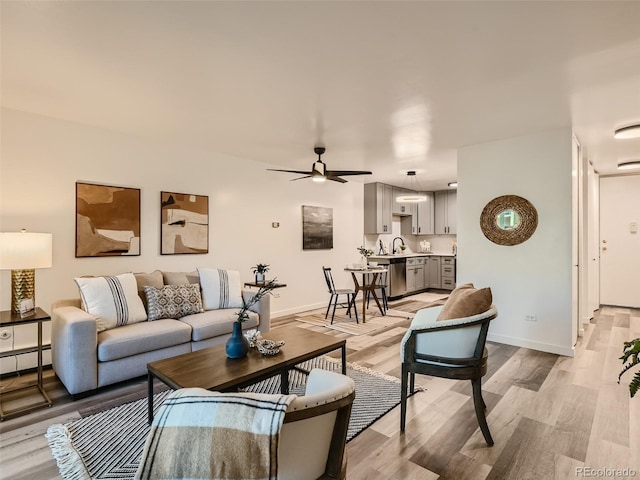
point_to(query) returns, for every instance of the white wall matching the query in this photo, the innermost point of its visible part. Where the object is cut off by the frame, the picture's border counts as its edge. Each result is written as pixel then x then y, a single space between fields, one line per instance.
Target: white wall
pixel 535 276
pixel 42 158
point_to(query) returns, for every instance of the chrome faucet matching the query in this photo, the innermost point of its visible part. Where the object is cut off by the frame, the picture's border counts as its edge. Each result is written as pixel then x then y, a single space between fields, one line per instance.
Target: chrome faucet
pixel 393 244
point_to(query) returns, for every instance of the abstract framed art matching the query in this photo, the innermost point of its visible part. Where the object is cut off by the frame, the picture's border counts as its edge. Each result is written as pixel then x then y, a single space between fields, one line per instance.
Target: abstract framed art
pixel 184 225
pixel 317 228
pixel 107 220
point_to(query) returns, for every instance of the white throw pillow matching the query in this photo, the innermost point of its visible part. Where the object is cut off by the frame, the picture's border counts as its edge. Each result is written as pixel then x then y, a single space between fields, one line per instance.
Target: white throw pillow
pixel 114 301
pixel 220 288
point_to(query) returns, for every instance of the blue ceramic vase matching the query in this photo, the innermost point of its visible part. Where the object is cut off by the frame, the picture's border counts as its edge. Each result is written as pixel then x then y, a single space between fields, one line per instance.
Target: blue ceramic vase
pixel 237 345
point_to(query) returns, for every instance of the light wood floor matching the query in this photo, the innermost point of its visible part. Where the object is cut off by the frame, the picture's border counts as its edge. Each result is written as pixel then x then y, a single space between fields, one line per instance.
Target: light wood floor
pixel 548 415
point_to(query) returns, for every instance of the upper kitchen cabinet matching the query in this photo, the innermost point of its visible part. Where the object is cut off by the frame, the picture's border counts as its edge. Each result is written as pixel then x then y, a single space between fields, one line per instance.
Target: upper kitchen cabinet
pixel 445 212
pixel 400 208
pixel 425 224
pixel 421 220
pixel 378 200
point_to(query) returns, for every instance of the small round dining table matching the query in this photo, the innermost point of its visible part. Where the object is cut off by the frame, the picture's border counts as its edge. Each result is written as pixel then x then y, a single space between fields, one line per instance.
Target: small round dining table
pixel 366 286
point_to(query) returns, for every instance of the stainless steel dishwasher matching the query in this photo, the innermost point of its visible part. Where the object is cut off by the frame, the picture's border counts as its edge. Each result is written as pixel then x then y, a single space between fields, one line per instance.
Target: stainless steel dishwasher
pixel 397 277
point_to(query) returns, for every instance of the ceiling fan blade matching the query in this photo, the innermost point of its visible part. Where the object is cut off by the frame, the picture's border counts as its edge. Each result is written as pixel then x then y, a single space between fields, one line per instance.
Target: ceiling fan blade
pixel 301 172
pixel 336 179
pixel 344 173
pixel 300 178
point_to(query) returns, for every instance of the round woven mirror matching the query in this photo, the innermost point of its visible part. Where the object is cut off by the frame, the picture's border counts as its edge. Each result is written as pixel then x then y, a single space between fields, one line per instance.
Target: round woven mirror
pixel 508 220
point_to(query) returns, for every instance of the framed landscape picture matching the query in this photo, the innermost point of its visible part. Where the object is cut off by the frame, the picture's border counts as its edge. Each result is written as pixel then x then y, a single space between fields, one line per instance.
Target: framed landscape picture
pixel 184 225
pixel 317 228
pixel 107 220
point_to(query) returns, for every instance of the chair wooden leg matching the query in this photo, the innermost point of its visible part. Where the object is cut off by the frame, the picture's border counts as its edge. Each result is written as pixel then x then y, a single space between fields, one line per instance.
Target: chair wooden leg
pixel 328 307
pixel 385 300
pixel 412 384
pixel 480 406
pixel 335 304
pixel 403 397
pixel 352 302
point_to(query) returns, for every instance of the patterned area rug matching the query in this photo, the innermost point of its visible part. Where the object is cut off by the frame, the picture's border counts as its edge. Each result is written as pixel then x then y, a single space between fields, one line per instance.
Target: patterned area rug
pixel 108 445
pixel 400 311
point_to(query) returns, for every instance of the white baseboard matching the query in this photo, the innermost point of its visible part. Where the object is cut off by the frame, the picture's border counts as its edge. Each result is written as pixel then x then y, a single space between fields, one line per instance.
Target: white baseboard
pixel 543 347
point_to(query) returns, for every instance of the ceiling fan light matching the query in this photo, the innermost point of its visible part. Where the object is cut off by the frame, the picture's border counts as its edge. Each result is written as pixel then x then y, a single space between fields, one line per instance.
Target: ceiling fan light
pixel 628 165
pixel 630 131
pixel 318 178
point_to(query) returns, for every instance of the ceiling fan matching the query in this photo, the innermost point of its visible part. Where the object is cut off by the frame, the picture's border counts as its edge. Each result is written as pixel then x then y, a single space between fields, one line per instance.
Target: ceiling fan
pixel 319 172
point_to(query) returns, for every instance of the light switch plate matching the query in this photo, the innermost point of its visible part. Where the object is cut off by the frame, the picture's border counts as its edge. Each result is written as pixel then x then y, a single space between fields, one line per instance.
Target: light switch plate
pixel 633 227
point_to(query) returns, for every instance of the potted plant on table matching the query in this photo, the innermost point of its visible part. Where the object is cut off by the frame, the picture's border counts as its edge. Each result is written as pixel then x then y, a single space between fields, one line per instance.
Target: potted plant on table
pixel 237 345
pixel 366 253
pixel 631 351
pixel 259 270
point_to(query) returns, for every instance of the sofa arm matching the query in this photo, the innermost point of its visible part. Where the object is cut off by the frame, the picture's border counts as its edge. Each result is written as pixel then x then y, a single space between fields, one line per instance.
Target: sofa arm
pixel 261 307
pixel 74 347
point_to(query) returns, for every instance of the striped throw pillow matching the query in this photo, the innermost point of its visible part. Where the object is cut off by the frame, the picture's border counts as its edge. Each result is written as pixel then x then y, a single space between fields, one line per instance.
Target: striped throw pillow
pixel 220 288
pixel 114 301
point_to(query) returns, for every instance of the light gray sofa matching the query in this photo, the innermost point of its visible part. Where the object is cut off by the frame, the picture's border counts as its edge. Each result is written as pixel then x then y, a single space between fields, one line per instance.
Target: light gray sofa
pixel 85 359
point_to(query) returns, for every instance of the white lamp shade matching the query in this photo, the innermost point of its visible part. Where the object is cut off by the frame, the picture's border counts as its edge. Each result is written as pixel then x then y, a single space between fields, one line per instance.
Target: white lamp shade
pixel 25 250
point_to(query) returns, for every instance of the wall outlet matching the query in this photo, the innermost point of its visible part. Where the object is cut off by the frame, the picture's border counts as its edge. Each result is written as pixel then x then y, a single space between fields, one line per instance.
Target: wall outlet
pixel 530 317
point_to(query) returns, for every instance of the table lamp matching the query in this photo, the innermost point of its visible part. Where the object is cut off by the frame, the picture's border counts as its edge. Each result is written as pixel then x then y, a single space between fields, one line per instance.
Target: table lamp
pixel 22 252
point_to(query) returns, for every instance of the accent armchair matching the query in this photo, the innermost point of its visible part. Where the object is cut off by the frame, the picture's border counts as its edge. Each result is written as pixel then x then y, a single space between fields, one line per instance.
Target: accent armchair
pixel 449 349
pixel 312 435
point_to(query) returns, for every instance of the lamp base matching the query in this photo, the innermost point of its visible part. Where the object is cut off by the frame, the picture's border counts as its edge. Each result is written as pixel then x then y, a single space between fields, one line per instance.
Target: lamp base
pixel 23 287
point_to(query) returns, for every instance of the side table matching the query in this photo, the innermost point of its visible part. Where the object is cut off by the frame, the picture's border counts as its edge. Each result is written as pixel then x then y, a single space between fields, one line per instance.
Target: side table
pixel 262 284
pixel 10 319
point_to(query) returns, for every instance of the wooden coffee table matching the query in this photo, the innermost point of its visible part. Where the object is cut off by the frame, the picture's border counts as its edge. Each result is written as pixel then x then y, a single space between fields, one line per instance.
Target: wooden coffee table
pixel 210 368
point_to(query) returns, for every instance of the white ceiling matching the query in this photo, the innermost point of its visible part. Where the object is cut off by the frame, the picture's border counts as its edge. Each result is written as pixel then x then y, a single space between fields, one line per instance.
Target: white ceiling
pixel 385 86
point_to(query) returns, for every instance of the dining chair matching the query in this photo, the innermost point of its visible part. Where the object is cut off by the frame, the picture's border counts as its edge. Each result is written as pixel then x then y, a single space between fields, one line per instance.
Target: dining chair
pixel 453 348
pixel 335 296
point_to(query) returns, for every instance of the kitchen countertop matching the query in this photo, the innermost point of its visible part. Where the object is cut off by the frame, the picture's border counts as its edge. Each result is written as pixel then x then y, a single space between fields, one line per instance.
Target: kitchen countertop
pixel 410 255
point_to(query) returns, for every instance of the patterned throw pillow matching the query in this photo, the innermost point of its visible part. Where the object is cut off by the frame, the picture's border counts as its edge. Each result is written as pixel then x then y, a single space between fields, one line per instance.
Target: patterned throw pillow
pixel 114 301
pixel 220 288
pixel 173 301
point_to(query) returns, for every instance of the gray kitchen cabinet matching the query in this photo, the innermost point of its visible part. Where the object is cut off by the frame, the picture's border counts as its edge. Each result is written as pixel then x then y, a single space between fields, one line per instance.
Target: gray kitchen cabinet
pixel 435 272
pixel 400 208
pixel 378 199
pixel 445 212
pixel 424 215
pixel 420 221
pixel 448 266
pixel 415 274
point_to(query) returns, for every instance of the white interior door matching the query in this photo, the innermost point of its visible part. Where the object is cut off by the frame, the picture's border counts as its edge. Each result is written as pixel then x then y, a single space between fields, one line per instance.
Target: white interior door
pixel 620 241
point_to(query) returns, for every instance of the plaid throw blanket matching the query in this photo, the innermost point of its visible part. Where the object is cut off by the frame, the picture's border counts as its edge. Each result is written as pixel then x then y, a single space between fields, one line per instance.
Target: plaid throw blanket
pixel 199 434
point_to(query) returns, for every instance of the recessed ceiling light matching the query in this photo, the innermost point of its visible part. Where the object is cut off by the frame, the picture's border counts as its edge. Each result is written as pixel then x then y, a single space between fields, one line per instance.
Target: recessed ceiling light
pixel 453 184
pixel 628 165
pixel 631 131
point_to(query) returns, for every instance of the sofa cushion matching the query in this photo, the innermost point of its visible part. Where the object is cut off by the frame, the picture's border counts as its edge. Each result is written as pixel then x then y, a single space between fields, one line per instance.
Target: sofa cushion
pixel 114 301
pixel 220 288
pixel 466 301
pixel 140 338
pixel 213 323
pixel 173 301
pixel 153 279
pixel 180 278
